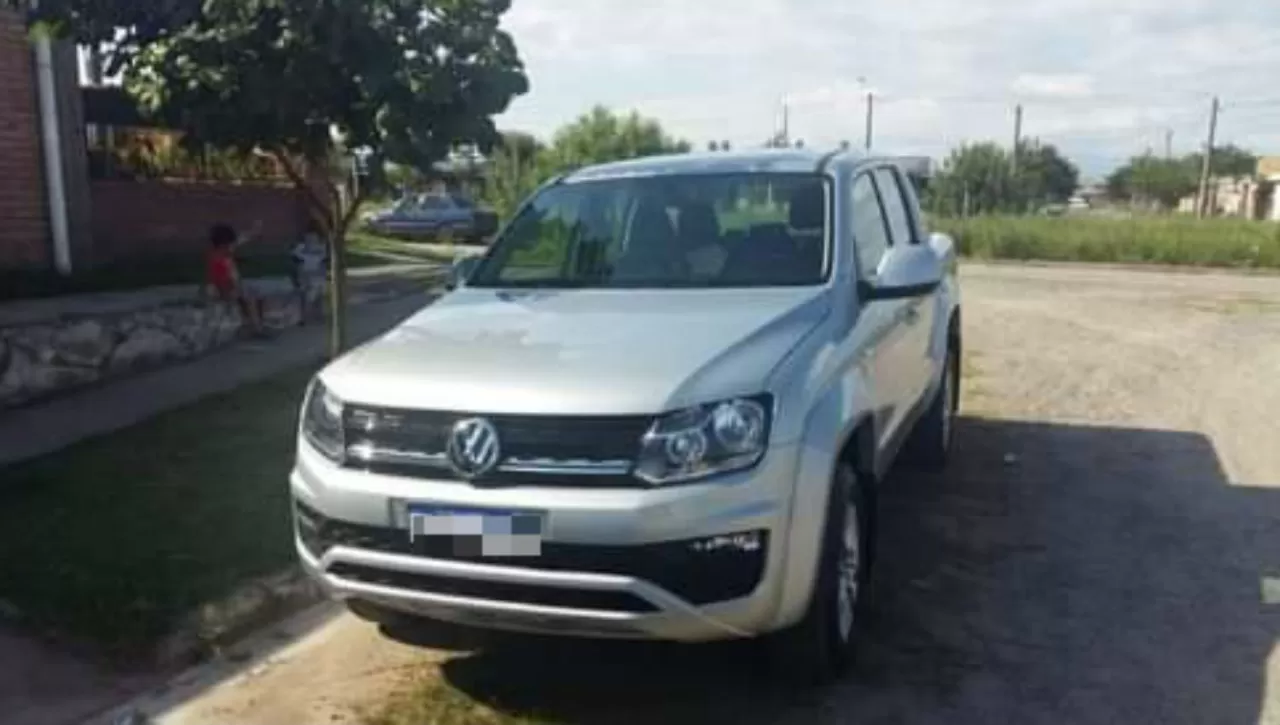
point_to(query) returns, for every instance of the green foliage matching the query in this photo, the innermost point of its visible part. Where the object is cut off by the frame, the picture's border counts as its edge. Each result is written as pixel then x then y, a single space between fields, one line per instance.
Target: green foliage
pixel 521 162
pixel 1229 160
pixel 601 136
pixel 1149 179
pixel 1179 240
pixel 979 179
pixel 407 79
pixel 975 179
pixel 142 161
pixel 1044 175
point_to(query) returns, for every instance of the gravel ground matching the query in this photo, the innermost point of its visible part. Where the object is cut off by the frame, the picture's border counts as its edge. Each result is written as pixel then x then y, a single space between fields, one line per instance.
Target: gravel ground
pixel 1104 548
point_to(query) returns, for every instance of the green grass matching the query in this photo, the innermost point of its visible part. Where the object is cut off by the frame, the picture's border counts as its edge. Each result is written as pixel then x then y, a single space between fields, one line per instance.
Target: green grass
pixel 432 701
pixel 1174 240
pixel 114 540
pixel 388 250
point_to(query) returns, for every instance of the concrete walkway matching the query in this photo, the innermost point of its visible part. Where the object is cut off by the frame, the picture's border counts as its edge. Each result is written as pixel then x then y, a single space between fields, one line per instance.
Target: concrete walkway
pixel 43 428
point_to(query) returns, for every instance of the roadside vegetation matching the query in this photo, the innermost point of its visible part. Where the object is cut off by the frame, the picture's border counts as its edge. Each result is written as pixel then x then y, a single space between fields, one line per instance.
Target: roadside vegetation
pixel 1174 240
pixel 113 541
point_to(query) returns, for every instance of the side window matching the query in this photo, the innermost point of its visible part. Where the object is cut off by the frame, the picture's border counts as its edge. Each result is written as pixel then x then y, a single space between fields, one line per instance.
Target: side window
pixel 895 208
pixel 870 232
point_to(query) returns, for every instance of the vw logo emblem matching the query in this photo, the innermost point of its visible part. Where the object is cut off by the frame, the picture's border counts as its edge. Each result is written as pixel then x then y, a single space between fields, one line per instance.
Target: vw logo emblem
pixel 473 448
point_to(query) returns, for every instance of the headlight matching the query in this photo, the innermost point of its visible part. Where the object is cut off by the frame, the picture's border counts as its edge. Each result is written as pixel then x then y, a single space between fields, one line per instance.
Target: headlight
pixel 705 441
pixel 322 422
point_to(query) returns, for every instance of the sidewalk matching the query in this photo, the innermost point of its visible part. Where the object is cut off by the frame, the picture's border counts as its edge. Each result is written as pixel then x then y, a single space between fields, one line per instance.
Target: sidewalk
pixel 43 428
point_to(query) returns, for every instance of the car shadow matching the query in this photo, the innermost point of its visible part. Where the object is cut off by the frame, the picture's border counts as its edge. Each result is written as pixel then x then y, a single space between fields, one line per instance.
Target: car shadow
pixel 1055 573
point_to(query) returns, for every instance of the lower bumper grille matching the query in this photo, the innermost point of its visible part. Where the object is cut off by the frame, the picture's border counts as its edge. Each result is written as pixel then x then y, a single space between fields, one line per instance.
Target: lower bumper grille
pixel 497 591
pixel 700 571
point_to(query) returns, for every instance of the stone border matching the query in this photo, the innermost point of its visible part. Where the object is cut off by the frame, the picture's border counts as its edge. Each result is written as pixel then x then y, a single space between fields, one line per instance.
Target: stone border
pixel 41 360
pixel 206 632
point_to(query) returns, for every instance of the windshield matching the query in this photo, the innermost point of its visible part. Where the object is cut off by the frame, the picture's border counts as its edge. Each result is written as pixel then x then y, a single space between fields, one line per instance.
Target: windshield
pixel 737 230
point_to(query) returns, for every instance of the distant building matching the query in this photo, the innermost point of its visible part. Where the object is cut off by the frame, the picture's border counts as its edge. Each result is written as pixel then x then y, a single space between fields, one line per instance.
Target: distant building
pixel 1247 197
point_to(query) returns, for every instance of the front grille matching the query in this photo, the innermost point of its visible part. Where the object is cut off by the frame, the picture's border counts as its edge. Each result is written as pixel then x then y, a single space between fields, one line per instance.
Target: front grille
pixel 590 450
pixel 495 591
pixel 699 577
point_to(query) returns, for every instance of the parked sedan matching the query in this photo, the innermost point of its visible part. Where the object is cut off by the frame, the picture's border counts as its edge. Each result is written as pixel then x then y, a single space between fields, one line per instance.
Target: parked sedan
pixel 433 215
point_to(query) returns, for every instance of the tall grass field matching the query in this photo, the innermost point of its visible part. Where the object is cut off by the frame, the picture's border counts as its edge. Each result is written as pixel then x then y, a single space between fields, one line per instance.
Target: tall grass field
pixel 1158 240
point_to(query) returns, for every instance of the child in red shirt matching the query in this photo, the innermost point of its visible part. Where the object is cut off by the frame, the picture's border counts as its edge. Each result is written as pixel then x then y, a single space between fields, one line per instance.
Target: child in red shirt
pixel 224 276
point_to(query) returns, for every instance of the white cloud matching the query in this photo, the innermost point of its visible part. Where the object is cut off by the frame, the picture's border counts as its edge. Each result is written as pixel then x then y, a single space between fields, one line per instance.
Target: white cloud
pixel 1065 85
pixel 1102 78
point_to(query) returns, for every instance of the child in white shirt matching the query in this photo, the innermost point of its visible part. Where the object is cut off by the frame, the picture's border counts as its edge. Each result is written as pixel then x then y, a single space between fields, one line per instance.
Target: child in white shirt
pixel 310 263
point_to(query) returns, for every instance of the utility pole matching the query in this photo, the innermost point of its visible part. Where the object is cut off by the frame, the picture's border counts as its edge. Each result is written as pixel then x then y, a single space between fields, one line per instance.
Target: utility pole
pixel 1014 196
pixel 1202 199
pixel 871 105
pixel 786 125
pixel 1168 143
pixel 1017 137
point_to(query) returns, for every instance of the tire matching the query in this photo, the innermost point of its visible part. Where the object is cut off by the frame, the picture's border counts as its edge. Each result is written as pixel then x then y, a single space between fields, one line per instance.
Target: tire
pixel 818 648
pixel 930 442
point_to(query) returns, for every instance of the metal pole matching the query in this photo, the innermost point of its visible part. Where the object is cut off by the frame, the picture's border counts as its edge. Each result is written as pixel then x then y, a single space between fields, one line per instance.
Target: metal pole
pixel 871 104
pixel 1017 137
pixel 1015 159
pixel 1202 201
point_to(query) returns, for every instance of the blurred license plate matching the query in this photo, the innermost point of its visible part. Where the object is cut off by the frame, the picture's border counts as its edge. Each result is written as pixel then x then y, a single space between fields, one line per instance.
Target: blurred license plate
pixel 478 532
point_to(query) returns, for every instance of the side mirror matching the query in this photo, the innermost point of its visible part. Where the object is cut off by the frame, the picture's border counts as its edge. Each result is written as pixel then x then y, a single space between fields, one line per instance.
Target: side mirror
pixel 461 271
pixel 908 271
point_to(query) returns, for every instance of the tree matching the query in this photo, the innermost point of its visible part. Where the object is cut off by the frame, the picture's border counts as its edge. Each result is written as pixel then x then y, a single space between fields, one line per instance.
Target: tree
pixel 1229 160
pixel 600 135
pixel 1147 178
pixel 975 179
pixel 520 163
pixel 1044 175
pixel 1150 179
pixel 979 179
pixel 311 82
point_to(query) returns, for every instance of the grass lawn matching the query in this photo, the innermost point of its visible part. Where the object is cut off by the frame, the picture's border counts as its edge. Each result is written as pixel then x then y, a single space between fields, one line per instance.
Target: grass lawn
pixel 114 540
pixel 432 701
pixel 390 250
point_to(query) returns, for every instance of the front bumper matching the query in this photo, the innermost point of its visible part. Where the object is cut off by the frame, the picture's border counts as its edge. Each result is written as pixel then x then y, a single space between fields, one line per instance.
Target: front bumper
pixel 615 562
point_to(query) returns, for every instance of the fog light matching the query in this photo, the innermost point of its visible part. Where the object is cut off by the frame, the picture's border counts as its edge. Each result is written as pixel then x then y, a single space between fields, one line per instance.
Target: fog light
pixel 742 543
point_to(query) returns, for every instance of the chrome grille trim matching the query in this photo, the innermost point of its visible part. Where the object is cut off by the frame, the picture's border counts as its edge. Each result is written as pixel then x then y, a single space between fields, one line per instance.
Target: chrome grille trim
pixel 368 453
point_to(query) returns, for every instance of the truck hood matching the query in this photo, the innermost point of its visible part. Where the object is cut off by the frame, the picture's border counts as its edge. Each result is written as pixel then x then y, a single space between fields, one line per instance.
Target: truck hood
pixel 580 351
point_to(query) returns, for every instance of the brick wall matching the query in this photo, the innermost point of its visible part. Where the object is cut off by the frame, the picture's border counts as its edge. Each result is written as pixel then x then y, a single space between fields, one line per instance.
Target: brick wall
pixel 136 218
pixel 23 214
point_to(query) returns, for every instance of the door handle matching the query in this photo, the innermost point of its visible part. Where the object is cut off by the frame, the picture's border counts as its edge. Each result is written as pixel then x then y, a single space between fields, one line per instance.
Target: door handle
pixel 911 315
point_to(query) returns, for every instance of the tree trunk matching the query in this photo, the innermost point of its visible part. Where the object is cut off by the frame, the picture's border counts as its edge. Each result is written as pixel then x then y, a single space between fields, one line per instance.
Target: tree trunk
pixel 337 293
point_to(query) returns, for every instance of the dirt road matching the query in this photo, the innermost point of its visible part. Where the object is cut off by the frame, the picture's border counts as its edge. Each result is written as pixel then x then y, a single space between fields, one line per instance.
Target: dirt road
pixel 1105 547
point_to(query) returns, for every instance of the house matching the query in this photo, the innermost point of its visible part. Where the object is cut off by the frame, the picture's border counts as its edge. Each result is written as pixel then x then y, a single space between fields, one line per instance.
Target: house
pixel 1247 197
pixel 62 209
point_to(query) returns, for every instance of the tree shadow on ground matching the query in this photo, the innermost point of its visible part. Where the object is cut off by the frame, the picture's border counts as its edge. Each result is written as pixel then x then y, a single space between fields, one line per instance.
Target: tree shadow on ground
pixel 1055 573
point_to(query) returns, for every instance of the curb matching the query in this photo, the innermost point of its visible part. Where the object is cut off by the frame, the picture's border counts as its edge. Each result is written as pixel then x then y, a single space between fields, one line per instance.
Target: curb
pixel 209 630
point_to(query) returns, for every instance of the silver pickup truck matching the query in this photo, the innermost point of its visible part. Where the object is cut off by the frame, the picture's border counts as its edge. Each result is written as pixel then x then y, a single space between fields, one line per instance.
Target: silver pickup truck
pixel 659 406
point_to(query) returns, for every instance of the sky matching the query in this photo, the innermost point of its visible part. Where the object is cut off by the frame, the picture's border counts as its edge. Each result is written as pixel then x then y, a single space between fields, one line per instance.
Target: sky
pixel 1101 79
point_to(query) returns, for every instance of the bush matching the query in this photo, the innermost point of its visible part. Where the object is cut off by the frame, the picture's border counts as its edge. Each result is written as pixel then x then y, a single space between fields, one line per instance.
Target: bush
pixel 1160 240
